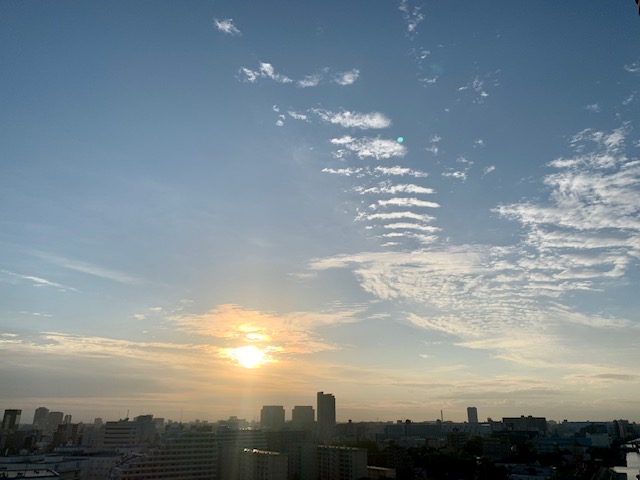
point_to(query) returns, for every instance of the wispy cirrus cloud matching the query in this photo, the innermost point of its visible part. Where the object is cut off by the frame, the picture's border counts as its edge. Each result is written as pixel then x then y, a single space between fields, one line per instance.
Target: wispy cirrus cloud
pixel 267 70
pixel 508 299
pixel 365 147
pixel 387 187
pixel 292 333
pixel 37 281
pixel 405 202
pixel 91 269
pixel 226 26
pixel 347 119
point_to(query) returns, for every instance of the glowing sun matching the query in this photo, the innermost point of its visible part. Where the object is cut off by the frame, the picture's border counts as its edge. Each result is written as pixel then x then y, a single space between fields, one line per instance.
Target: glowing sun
pixel 249 356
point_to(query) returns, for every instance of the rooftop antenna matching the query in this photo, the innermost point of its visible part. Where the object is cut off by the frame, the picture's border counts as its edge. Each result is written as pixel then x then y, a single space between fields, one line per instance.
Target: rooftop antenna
pixel 441 416
pixel 127 417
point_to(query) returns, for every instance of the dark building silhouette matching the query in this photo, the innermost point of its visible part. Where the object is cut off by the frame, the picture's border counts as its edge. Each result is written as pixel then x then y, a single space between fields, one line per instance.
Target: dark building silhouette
pixel 326 416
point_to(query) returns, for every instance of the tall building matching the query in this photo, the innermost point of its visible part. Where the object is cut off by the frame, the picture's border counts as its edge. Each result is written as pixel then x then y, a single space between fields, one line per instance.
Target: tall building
pixel 326 408
pixel 67 419
pixel 272 417
pixel 11 419
pixel 53 420
pixel 472 414
pixel 40 418
pixel 303 416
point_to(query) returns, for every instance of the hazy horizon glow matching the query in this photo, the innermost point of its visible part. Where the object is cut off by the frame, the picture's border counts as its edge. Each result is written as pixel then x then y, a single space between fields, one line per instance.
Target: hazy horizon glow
pixel 207 208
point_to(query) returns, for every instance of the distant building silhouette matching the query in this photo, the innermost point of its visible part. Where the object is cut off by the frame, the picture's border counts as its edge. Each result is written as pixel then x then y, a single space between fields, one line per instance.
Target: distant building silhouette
pixel 525 424
pixel 40 418
pixel 53 420
pixel 326 416
pixel 303 416
pixel 11 419
pixel 272 417
pixel 472 414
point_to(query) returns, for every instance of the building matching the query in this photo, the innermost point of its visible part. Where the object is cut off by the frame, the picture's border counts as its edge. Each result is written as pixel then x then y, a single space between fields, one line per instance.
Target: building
pixel 341 463
pixel 40 418
pixel 231 444
pixel 263 465
pixel 11 420
pixel 525 424
pixel 182 455
pixel 53 420
pixel 326 407
pixel 472 414
pixel 125 433
pixel 272 417
pixel 303 416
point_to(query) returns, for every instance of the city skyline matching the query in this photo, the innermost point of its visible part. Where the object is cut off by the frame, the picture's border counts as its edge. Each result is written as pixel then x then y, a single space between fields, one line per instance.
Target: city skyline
pixel 210 207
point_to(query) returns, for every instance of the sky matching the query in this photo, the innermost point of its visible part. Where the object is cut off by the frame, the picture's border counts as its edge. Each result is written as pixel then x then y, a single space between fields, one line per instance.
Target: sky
pixel 210 206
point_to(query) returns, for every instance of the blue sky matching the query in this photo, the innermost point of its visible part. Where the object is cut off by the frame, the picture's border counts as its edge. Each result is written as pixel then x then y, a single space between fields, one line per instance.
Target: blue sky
pixel 191 189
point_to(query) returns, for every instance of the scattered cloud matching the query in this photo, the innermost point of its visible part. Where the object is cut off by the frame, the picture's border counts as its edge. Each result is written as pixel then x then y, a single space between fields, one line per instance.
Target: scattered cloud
pixel 347 78
pixel 594 107
pixel 456 174
pixel 633 67
pixel 400 171
pixel 297 116
pixel 310 81
pixel 347 119
pixel 265 70
pixel 364 147
pixel 412 15
pixel 226 26
pixel 488 170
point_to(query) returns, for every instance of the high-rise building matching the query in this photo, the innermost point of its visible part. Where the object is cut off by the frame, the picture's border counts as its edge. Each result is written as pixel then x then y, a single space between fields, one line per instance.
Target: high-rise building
pixel 303 416
pixel 53 420
pixel 326 408
pixel 40 418
pixel 67 419
pixel 11 419
pixel 472 414
pixel 272 417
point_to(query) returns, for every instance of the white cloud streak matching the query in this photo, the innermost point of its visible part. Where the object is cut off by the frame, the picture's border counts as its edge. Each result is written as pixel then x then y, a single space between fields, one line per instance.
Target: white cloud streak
pixel 347 119
pixel 226 26
pixel 364 147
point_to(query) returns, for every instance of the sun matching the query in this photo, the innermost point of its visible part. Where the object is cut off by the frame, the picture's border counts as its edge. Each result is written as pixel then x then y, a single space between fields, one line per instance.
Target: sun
pixel 249 356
